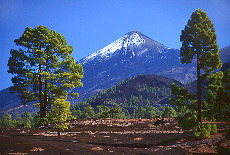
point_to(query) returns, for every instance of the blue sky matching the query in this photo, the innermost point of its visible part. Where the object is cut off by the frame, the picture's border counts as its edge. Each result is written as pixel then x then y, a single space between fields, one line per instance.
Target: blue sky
pixel 89 25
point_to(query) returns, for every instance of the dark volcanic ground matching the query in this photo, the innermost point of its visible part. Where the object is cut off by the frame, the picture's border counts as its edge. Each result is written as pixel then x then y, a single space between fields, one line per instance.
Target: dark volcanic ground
pixel 109 136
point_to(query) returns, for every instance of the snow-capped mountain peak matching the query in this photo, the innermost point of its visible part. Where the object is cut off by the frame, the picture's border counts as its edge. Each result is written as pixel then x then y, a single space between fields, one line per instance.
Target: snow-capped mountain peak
pixel 133 38
pixel 128 41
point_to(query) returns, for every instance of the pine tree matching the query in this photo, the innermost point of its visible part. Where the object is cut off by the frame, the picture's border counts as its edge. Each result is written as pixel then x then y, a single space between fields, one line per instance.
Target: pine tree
pixel 43 68
pixel 199 41
pixel 169 112
pixel 88 112
pixel 116 112
pixel 103 111
pixel 27 120
pixel 18 122
pixel 6 121
pixel 151 112
pixel 59 114
pixel 183 100
pixel 141 112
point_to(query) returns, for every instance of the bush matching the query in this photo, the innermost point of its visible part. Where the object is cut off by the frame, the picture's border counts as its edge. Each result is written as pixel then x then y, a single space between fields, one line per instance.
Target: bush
pixel 201 134
pixel 18 122
pixel 27 120
pixel 213 129
pixel 169 112
pixel 188 122
pixel 208 126
pixel 197 132
pixel 205 132
pixel 6 121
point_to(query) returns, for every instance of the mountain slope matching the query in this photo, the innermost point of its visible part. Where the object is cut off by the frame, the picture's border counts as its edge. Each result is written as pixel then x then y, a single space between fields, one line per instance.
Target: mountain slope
pixel 10 103
pixel 151 90
pixel 225 54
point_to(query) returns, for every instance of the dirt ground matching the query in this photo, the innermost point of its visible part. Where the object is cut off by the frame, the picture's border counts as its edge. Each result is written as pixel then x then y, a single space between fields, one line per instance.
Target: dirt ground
pixel 109 136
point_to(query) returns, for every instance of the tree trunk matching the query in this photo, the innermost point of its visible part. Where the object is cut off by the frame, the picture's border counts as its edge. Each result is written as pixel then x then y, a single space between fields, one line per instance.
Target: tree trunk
pixel 42 112
pixel 199 89
pixel 45 90
pixel 59 134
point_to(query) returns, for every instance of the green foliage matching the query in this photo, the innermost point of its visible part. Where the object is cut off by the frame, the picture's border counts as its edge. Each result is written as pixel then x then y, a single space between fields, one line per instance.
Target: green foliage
pixel 169 112
pixel 77 114
pixel 59 114
pixel 41 121
pixel 103 111
pixel 199 43
pixel 199 38
pixel 43 68
pixel 217 101
pixel 88 112
pixel 18 122
pixel 6 121
pixel 184 102
pixel 27 120
pixel 151 112
pixel 205 132
pixel 188 121
pixel 148 112
pixel 213 129
pixel 126 113
pixel 142 93
pixel 201 133
pixel 208 126
pixel 182 97
pixel 140 113
pixel 116 112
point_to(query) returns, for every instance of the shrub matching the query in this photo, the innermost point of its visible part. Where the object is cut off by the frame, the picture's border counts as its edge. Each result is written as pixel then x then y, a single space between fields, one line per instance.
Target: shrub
pixel 169 112
pixel 201 134
pixel 6 121
pixel 208 126
pixel 213 129
pixel 204 133
pixel 188 122
pixel 197 132
pixel 27 120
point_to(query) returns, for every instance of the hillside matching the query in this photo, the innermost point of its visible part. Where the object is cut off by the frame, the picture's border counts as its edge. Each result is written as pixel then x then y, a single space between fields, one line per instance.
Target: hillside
pixel 225 54
pixel 140 91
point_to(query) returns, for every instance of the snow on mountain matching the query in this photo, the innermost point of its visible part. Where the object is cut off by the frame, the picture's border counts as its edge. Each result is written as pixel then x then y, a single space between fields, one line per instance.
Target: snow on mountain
pixel 129 41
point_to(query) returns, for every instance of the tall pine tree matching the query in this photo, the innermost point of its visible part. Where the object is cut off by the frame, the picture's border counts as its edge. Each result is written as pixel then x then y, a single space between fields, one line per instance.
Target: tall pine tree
pixel 43 68
pixel 199 43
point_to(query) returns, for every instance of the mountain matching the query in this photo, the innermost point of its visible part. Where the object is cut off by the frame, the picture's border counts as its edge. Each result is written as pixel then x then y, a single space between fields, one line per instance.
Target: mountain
pixel 132 54
pixel 225 54
pixel 140 91
pixel 10 103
